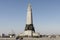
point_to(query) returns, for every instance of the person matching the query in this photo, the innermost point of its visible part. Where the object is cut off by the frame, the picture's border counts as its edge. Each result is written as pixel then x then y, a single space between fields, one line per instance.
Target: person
pixel 21 38
pixel 17 38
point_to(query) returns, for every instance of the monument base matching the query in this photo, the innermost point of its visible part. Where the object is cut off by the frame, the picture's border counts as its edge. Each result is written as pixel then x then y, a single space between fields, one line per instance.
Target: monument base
pixel 29 33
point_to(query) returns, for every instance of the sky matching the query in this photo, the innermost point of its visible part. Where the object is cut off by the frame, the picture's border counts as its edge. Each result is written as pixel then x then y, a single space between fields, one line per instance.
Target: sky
pixel 46 16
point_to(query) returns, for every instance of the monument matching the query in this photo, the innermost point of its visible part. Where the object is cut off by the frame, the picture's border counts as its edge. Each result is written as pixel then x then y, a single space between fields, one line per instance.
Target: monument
pixel 29 28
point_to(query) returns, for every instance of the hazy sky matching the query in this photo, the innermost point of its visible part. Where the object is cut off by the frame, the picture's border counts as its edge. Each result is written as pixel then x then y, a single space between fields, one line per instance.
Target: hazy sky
pixel 46 16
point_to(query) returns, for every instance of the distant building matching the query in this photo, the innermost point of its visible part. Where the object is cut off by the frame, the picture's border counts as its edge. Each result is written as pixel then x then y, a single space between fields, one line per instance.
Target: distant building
pixel 52 36
pixel 12 35
pixel 8 36
pixel 5 36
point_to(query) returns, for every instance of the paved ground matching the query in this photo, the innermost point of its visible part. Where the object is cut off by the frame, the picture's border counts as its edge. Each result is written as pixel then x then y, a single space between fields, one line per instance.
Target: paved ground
pixel 41 38
pixel 7 39
pixel 32 38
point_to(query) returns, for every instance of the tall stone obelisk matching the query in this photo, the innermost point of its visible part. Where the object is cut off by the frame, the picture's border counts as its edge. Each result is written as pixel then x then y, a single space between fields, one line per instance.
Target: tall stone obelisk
pixel 29 21
pixel 29 28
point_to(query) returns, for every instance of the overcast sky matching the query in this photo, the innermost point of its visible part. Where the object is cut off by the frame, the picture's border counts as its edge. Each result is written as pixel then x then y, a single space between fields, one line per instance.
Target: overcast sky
pixel 46 16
